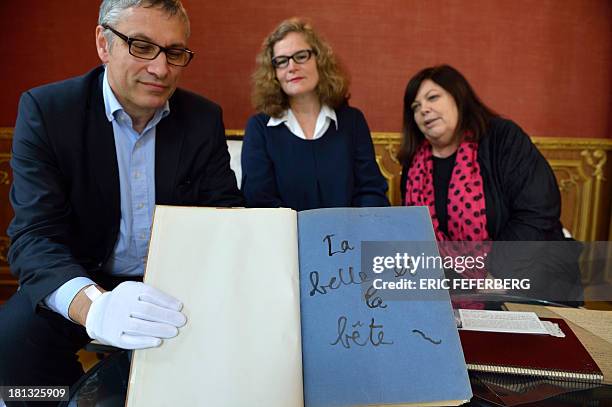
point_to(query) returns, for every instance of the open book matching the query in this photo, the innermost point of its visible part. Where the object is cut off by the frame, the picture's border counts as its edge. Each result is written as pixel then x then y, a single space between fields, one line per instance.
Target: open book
pixel 277 314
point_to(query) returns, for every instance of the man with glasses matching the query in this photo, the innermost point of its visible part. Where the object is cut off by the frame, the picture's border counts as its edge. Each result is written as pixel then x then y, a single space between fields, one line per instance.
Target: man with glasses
pixel 92 156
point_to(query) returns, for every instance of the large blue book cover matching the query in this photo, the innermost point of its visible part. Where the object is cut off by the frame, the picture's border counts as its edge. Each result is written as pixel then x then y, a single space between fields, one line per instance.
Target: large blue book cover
pixel 282 311
pixel 363 346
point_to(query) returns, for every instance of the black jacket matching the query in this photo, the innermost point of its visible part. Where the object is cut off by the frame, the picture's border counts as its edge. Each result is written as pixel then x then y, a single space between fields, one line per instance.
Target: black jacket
pixel 65 192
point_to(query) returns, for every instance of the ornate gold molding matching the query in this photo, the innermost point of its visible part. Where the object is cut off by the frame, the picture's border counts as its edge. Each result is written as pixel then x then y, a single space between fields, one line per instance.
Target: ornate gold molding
pixel 568 183
pixel 575 185
pixel 572 143
pixel 557 143
pixel 5 178
pixel 387 137
pixel 389 176
pixel 6 133
pixel 234 132
pixel 590 158
pixel 4 245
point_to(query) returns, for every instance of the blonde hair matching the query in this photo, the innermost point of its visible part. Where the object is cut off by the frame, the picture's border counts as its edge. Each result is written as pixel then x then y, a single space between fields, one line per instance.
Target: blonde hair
pixel 268 96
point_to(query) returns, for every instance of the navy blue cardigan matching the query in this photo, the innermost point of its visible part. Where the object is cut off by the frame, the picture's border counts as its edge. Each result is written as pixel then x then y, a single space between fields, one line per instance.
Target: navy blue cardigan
pixel 337 170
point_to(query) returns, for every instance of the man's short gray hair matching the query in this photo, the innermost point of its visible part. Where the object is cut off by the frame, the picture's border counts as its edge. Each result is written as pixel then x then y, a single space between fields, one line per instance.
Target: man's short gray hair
pixel 111 10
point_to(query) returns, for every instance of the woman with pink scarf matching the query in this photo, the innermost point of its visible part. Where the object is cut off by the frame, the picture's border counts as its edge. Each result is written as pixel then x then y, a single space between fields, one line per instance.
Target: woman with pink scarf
pixel 479 174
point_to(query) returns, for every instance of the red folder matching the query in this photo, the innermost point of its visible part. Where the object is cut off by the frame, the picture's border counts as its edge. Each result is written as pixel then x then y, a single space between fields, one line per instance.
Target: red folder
pixel 546 356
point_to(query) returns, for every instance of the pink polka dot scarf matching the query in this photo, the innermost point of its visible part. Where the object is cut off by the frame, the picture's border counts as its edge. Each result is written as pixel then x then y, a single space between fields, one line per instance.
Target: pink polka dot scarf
pixel 467 219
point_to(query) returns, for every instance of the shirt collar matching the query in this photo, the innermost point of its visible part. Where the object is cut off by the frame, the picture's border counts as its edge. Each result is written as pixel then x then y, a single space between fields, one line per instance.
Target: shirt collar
pixel 326 112
pixel 112 105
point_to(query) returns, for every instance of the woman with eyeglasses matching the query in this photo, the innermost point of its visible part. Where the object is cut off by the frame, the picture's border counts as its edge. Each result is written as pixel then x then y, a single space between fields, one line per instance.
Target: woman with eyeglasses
pixel 306 148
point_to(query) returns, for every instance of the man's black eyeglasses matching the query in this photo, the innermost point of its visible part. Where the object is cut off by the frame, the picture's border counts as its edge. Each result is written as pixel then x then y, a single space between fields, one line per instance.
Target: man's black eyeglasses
pixel 150 50
pixel 299 57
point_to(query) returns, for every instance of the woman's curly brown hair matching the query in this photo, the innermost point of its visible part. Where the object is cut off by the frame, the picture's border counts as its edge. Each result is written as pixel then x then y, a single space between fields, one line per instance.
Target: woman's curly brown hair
pixel 269 98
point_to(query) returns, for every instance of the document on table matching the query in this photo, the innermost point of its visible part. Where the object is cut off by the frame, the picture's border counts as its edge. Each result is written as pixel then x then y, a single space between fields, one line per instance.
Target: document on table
pixel 501 321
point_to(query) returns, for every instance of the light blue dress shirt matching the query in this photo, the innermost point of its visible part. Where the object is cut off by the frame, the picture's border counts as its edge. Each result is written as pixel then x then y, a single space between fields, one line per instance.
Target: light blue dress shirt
pixel 136 160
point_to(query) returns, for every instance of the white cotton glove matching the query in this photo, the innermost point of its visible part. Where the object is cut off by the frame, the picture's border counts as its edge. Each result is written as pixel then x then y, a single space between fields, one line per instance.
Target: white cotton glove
pixel 134 316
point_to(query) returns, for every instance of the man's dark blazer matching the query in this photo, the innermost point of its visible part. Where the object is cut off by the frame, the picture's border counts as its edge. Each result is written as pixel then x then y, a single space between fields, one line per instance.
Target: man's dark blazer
pixel 65 192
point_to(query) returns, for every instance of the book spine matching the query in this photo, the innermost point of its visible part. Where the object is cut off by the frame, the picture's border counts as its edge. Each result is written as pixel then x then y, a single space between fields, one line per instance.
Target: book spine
pixel 550 374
